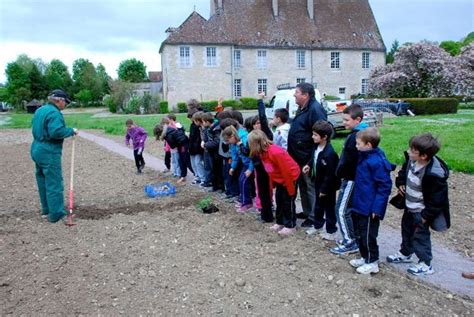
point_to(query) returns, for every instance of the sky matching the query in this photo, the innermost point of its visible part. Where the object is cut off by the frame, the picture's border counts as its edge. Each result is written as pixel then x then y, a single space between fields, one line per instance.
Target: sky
pixel 110 31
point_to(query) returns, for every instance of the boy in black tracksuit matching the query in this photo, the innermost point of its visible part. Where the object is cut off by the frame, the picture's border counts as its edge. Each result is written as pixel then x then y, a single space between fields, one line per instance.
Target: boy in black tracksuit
pixel 423 182
pixel 346 171
pixel 322 169
pixel 211 150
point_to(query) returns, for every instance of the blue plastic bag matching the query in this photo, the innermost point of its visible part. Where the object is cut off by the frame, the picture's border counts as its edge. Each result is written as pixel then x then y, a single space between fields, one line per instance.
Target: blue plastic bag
pixel 160 189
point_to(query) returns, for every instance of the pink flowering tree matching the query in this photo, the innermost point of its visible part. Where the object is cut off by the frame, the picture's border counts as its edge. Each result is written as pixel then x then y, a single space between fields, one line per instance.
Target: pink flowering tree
pixel 466 60
pixel 419 70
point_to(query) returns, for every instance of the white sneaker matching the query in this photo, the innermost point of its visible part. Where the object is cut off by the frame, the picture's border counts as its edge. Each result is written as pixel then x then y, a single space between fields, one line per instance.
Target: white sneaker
pixel 328 236
pixel 312 231
pixel 357 262
pixel 368 268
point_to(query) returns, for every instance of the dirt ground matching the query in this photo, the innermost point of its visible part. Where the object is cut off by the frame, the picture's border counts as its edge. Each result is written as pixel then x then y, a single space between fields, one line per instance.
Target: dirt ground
pixel 133 255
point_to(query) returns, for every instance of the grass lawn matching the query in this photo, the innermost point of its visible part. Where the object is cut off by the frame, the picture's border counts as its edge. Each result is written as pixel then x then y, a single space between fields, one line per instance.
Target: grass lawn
pixel 455 131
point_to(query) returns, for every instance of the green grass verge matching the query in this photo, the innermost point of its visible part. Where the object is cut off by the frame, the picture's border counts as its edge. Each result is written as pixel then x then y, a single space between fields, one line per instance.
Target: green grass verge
pixel 455 131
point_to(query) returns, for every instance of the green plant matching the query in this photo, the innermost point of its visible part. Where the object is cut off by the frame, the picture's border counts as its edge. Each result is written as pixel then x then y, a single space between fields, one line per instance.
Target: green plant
pixel 205 202
pixel 182 107
pixel 209 105
pixel 133 105
pixel 331 98
pixel 146 103
pixel 249 103
pixel 164 107
pixel 234 104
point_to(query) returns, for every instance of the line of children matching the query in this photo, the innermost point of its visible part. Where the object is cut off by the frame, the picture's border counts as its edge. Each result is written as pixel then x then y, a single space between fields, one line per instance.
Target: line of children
pixel 362 174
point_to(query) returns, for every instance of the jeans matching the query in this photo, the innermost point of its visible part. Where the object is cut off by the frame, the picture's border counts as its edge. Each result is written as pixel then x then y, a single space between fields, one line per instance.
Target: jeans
pixel 366 231
pixel 175 164
pixel 306 188
pixel 198 167
pixel 416 237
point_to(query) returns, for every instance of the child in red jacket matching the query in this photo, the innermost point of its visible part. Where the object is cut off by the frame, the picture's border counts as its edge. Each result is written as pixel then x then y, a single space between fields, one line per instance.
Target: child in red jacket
pixel 283 172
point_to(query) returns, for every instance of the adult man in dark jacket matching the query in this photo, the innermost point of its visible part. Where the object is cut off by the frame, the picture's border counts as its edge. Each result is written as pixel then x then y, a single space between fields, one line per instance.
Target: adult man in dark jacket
pixel 300 143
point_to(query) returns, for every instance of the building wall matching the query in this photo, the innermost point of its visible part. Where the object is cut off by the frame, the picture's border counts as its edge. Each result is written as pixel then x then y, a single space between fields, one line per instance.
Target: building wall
pixel 208 83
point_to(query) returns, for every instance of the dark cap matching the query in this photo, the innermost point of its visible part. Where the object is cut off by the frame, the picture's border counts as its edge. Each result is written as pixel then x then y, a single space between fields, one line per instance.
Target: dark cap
pixel 60 94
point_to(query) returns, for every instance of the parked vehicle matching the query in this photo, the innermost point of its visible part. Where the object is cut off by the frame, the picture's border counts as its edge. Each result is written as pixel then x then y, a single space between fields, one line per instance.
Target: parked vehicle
pixel 284 98
pixel 399 108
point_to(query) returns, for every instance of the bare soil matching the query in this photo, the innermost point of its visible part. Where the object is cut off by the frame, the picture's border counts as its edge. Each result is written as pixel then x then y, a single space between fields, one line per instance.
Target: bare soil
pixel 133 255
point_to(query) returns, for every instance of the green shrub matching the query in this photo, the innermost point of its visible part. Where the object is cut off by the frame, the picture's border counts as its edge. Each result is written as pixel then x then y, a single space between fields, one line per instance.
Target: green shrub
pixel 469 105
pixel 164 107
pixel 133 105
pixel 209 105
pixel 234 104
pixel 331 98
pixel 146 103
pixel 182 107
pixel 422 106
pixel 249 103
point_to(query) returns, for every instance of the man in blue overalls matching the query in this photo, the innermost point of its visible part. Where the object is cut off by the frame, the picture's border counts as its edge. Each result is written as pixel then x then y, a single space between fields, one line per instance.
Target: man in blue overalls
pixel 49 132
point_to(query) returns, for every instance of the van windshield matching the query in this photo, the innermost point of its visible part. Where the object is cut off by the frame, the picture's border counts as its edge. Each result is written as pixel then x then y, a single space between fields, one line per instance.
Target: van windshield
pixel 279 103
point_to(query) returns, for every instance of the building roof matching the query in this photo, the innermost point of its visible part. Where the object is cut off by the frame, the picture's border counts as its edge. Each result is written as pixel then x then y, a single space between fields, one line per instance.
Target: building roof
pixel 337 24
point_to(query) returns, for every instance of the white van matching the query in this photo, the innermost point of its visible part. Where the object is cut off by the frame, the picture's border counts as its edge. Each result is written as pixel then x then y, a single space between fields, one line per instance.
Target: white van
pixel 285 98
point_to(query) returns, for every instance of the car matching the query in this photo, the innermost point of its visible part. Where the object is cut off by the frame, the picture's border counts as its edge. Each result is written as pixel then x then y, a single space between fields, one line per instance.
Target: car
pixel 285 98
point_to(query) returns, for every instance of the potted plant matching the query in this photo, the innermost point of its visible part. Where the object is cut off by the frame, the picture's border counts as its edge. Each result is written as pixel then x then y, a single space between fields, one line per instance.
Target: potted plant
pixel 207 206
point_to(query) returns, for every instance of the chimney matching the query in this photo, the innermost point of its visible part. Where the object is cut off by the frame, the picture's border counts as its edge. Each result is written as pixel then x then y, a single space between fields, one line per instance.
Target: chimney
pixel 275 7
pixel 219 4
pixel 311 9
pixel 214 8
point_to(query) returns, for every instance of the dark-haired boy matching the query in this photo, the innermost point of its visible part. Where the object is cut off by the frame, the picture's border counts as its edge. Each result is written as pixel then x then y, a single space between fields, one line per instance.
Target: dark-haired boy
pixel 423 182
pixel 280 120
pixel 322 169
pixel 346 170
pixel 371 191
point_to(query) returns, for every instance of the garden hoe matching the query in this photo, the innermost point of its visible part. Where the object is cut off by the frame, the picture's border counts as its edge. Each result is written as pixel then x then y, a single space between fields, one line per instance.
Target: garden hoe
pixel 71 187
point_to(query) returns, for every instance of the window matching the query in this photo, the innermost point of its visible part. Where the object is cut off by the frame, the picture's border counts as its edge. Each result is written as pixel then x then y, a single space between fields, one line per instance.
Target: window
pixel 237 87
pixel 184 56
pixel 335 63
pixel 237 59
pixel 364 88
pixel 365 60
pixel 300 80
pixel 262 86
pixel 211 60
pixel 261 59
pixel 300 59
pixel 342 90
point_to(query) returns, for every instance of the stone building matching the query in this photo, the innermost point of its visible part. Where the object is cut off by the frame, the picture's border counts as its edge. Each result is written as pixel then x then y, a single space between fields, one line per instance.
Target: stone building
pixel 248 46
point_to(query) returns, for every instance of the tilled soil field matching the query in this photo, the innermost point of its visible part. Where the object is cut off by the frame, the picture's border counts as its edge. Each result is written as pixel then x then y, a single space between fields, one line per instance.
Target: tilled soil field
pixel 133 255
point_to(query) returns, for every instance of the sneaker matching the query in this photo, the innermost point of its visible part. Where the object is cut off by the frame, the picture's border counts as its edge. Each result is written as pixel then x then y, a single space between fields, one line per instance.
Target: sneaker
pixel 143 165
pixel 421 269
pixel 139 171
pixel 357 262
pixel 237 205
pixel 312 231
pixel 286 231
pixel 245 208
pixel 328 236
pixel 196 182
pixel 204 184
pixel 276 227
pixel 368 268
pixel 307 223
pixel 301 215
pixel 181 180
pixel 399 258
pixel 345 248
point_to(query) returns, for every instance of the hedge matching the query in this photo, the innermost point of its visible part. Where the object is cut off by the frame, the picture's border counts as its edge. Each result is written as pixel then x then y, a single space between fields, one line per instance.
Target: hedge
pixel 182 107
pixel 423 106
pixel 248 103
pixel 164 107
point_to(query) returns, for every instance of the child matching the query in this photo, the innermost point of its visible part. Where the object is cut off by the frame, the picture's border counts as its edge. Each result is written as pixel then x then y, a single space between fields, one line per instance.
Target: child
pixel 323 172
pixel 346 170
pixel 138 136
pixel 283 172
pixel 371 191
pixel 238 141
pixel 176 139
pixel 195 150
pixel 211 150
pixel 176 171
pixel 280 119
pixel 423 182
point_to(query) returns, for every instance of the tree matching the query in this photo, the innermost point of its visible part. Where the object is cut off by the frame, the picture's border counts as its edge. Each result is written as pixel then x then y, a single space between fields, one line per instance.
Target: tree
pixel 454 47
pixel 132 70
pixel 25 81
pixel 393 50
pixel 57 76
pixel 85 78
pixel 466 60
pixel 103 79
pixel 419 70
